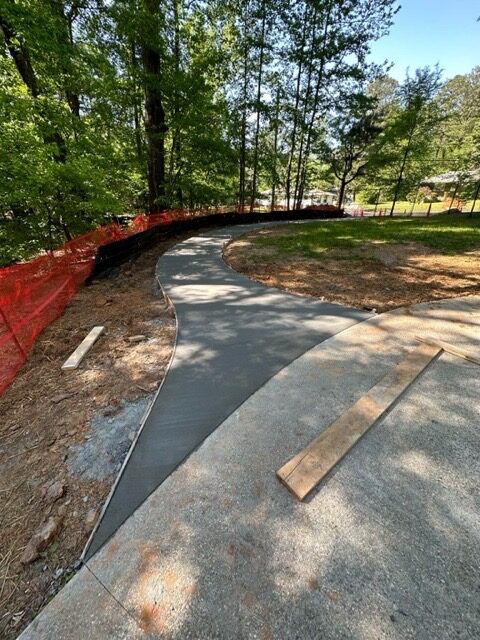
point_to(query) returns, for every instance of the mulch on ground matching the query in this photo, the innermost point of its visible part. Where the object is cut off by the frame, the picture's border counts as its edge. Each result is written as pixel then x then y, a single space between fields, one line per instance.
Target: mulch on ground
pixel 377 275
pixel 46 414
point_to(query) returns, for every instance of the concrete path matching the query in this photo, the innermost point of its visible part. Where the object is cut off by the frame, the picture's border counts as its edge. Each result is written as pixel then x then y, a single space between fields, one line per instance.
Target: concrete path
pixel 233 335
pixel 387 547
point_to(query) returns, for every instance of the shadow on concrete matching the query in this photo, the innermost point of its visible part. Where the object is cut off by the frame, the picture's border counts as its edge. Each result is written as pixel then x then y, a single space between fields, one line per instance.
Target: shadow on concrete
pixel 233 335
pixel 387 547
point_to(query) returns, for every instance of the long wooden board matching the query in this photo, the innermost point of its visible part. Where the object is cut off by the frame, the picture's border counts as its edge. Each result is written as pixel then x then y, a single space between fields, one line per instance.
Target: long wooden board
pixel 83 348
pixel 305 470
pixel 450 348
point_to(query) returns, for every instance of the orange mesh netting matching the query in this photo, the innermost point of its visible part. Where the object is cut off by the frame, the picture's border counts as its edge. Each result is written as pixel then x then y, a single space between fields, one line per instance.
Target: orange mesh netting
pixel 34 293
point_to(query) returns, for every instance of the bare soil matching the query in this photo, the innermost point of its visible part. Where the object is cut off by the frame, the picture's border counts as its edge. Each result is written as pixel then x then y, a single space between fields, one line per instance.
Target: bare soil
pixel 378 275
pixel 46 414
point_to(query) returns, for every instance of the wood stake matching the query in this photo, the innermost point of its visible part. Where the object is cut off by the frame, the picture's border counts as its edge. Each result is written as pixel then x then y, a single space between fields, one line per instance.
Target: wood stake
pixel 305 470
pixel 449 348
pixel 83 348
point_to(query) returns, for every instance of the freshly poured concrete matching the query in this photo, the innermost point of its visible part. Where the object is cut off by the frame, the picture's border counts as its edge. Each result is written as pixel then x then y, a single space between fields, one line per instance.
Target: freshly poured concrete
pixel 386 548
pixel 86 610
pixel 233 335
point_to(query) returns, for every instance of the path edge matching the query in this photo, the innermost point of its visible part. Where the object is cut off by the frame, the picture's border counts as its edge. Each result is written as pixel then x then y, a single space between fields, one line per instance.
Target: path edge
pixel 84 557
pixel 297 294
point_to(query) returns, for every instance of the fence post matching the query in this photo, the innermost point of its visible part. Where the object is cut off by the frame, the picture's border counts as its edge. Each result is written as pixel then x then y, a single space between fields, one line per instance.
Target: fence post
pixel 454 195
pixel 14 335
pixel 475 198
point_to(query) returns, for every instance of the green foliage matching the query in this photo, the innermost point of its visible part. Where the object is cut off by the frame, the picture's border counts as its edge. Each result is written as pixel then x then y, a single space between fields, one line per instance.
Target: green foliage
pixel 65 147
pixel 458 140
pixel 353 131
pixel 404 153
pixel 248 97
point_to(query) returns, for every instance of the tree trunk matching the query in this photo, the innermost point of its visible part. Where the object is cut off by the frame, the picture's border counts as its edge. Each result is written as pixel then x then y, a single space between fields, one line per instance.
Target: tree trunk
pixel 341 193
pixel 176 142
pixel 296 199
pixel 275 146
pixel 295 115
pixel 155 127
pixel 21 58
pixel 474 200
pixel 454 195
pixel 243 132
pixel 315 105
pixel 293 139
pixel 257 125
pixel 64 33
pixel 136 108
pixel 402 167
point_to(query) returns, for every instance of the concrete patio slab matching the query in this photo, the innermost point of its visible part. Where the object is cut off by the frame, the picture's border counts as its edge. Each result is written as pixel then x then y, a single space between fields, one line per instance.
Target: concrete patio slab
pixel 386 547
pixel 84 609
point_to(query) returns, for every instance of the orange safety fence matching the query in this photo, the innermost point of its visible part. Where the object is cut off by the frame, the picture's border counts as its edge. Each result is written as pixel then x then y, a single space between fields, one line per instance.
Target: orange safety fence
pixel 34 293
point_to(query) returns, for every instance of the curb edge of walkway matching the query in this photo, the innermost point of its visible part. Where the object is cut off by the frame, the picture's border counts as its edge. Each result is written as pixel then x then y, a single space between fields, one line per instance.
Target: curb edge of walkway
pixel 296 294
pixel 84 556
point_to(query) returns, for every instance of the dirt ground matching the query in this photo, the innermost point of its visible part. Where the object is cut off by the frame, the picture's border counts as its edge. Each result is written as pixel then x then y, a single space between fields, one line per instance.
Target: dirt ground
pixel 378 276
pixel 47 419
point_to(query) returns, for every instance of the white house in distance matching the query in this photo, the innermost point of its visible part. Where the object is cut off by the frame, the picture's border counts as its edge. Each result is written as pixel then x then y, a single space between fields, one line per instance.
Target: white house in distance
pixel 317 196
pixel 312 197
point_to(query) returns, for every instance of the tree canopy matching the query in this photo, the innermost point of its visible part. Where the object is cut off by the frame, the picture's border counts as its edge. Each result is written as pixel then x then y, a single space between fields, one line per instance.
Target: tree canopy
pixel 109 108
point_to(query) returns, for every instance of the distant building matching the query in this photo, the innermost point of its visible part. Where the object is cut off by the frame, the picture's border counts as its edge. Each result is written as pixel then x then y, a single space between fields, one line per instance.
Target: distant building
pixel 311 197
pixel 317 196
pixel 448 186
pixel 449 182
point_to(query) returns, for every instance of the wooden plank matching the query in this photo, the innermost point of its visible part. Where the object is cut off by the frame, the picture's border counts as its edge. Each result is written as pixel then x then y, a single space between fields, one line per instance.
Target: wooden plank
pixel 83 348
pixel 449 348
pixel 305 470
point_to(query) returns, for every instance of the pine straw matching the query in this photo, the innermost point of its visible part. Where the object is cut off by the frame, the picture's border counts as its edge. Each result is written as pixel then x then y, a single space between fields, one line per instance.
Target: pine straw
pixel 46 410
pixel 376 275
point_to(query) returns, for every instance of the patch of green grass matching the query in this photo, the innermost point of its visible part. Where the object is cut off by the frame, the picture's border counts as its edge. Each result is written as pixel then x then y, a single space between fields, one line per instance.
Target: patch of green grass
pixel 403 206
pixel 452 234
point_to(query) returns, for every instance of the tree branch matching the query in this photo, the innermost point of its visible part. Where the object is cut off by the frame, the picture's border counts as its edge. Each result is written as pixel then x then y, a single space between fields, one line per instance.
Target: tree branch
pixel 20 56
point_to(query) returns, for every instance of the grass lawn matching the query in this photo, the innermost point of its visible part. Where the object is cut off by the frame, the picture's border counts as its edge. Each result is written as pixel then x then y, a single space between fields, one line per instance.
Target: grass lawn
pixel 403 206
pixel 379 263
pixel 449 233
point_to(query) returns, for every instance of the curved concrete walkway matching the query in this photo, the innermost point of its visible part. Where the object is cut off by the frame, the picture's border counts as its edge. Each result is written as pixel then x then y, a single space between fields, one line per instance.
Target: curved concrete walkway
pixel 233 335
pixel 385 549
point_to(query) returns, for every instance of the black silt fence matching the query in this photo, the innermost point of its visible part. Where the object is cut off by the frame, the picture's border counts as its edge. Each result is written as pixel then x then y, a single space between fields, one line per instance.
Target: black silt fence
pixel 116 253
